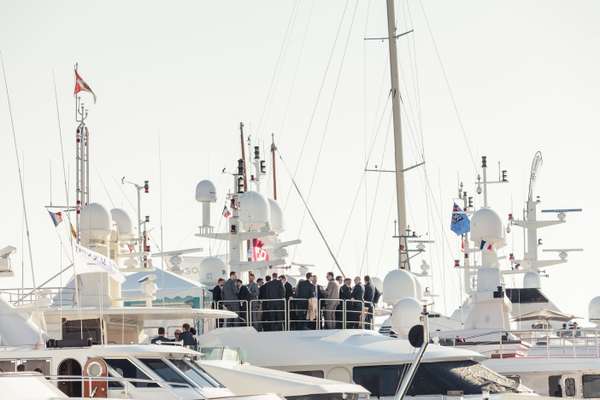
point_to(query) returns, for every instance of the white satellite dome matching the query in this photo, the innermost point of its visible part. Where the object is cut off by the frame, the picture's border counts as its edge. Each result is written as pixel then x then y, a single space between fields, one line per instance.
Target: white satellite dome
pixel 254 210
pixel 94 219
pixel 123 222
pixel 486 225
pixel 276 216
pixel 206 192
pixel 405 314
pixel 594 309
pixel 531 280
pixel 211 269
pixel 488 279
pixel 398 284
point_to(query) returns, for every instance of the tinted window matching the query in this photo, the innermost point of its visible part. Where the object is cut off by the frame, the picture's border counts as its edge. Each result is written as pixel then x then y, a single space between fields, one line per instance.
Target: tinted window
pixel 315 373
pixel 438 378
pixel 128 370
pixel 554 388
pixel 199 376
pixel 591 386
pixel 160 368
pixel 526 295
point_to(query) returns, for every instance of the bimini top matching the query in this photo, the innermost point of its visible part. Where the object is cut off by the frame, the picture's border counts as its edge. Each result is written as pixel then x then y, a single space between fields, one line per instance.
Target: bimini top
pixel 326 347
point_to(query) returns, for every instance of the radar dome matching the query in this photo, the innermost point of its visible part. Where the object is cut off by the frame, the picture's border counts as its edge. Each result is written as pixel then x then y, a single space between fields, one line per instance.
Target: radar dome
pixel 531 280
pixel 254 210
pixel 405 314
pixel 206 192
pixel 276 216
pixel 398 284
pixel 123 222
pixel 94 219
pixel 486 225
pixel 488 279
pixel 211 269
pixel 594 309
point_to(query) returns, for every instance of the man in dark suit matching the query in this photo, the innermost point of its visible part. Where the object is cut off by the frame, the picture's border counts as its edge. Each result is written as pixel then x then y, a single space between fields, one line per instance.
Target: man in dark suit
pixel 161 338
pixel 244 296
pixel 217 295
pixel 358 294
pixel 304 291
pixel 345 294
pixel 289 289
pixel 275 293
pixel 369 297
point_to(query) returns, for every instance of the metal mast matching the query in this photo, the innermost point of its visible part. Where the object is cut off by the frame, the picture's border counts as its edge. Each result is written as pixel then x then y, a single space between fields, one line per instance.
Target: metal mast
pixel 395 92
pixel 82 160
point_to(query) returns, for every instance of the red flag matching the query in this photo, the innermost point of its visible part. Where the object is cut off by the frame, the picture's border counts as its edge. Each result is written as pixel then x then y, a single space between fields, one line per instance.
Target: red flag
pixel 258 252
pixel 81 85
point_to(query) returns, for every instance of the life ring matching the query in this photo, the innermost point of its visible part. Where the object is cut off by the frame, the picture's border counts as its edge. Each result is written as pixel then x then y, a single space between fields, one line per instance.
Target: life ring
pixel 95 368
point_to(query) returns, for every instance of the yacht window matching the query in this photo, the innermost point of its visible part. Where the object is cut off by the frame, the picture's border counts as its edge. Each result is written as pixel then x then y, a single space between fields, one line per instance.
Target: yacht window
pixel 168 374
pixel 128 370
pixel 514 378
pixel 436 378
pixel 554 388
pixel 114 384
pixel 525 295
pixel 570 390
pixel 591 386
pixel 196 374
pixel 315 373
pixel 7 366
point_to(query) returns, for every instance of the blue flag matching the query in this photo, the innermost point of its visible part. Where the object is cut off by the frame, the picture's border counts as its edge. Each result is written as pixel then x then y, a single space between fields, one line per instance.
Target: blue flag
pixel 460 222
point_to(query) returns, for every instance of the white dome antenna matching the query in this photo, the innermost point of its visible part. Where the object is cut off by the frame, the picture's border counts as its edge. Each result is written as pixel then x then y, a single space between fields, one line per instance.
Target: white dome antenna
pixel 206 193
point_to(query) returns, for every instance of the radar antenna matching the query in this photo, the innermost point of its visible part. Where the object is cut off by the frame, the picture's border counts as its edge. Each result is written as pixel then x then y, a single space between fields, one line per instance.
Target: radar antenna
pixel 536 164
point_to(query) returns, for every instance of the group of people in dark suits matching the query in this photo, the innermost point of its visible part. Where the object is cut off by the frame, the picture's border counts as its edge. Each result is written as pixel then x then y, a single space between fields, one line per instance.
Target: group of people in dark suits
pixel 340 304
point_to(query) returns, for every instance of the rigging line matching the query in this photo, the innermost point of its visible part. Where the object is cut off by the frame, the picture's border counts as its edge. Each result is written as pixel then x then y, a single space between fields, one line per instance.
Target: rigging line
pixel 160 202
pixel 363 178
pixel 104 186
pixel 318 99
pixel 311 215
pixel 21 187
pixel 416 77
pixel 62 149
pixel 329 112
pixel 290 23
pixel 451 93
pixel 365 130
pixel 385 235
pixel 298 63
pixel 374 202
pixel 378 128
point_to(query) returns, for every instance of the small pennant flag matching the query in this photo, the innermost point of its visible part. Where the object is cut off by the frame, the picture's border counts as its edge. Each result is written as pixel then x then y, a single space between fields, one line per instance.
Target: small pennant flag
pixel 82 86
pixel 130 247
pixel 226 212
pixel 56 217
pixel 485 245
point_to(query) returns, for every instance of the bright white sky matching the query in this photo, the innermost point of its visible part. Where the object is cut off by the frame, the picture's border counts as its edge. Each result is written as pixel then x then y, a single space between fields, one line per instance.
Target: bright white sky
pixel 524 75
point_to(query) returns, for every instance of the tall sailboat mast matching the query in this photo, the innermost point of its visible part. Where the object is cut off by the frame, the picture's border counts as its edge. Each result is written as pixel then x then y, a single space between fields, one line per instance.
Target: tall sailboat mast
pixel 399 157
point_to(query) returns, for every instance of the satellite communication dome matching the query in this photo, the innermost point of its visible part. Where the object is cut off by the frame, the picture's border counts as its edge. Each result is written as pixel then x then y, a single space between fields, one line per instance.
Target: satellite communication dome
pixel 254 210
pixel 405 314
pixel 276 216
pixel 211 269
pixel 486 225
pixel 594 309
pixel 488 279
pixel 94 221
pixel 531 280
pixel 123 222
pixel 206 192
pixel 398 284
